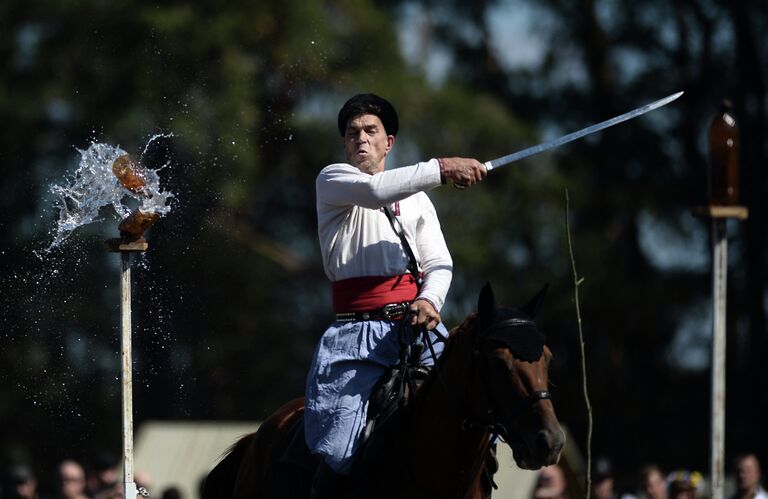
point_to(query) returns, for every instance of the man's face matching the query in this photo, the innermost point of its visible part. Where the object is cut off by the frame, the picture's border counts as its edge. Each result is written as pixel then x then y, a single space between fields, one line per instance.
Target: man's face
pixel 603 488
pixel 748 473
pixel 551 483
pixel 655 486
pixel 366 143
pixel 72 479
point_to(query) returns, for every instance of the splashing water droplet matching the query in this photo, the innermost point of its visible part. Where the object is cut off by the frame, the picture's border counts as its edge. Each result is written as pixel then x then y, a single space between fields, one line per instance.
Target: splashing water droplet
pixel 94 186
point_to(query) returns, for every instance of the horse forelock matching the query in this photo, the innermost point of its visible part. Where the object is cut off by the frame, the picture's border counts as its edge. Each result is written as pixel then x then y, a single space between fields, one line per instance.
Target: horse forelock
pixel 517 332
pixel 511 327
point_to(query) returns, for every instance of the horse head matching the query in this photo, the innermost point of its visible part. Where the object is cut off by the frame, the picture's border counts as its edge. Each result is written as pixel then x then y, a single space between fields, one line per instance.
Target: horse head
pixel 514 361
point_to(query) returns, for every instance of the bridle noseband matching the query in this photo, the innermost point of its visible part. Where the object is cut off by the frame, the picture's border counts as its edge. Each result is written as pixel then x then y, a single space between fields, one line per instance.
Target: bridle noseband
pixel 496 420
pixel 497 427
pixel 537 395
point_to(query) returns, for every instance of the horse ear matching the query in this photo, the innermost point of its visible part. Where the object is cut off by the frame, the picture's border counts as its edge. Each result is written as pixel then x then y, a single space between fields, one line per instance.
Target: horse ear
pixel 534 305
pixel 487 302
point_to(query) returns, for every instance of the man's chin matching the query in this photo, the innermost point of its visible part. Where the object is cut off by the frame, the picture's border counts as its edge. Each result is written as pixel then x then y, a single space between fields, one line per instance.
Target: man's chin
pixel 364 165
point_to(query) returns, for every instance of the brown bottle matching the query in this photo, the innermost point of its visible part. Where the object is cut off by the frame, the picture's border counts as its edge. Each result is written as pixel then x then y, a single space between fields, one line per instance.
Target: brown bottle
pixel 134 225
pixel 130 173
pixel 724 158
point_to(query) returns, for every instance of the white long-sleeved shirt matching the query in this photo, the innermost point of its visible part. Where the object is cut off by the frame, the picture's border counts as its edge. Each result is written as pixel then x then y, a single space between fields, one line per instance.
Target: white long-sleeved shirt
pixel 356 238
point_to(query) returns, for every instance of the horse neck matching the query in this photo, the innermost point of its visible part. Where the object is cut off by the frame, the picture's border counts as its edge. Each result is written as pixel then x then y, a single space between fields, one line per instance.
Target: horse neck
pixel 444 402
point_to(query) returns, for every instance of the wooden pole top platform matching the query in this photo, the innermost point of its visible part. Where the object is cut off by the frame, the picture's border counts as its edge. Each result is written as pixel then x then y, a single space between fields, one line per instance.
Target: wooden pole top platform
pixel 720 211
pixel 121 245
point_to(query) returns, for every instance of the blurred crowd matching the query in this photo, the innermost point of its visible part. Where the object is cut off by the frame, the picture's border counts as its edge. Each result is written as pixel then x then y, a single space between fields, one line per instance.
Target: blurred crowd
pixel 97 478
pixel 652 482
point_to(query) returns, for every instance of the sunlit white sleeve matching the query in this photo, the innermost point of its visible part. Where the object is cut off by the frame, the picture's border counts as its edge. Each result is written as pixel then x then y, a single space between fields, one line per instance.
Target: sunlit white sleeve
pixel 434 259
pixel 342 184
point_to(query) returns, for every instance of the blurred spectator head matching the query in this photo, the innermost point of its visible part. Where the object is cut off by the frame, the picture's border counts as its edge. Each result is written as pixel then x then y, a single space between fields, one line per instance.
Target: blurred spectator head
pixel 551 483
pixel 603 479
pixel 102 472
pixel 683 484
pixel 18 482
pixel 171 493
pixel 71 479
pixel 653 483
pixel 748 472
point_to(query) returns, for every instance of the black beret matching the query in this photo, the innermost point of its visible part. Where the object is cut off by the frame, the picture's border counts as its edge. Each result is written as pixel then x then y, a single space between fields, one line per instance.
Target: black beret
pixel 369 104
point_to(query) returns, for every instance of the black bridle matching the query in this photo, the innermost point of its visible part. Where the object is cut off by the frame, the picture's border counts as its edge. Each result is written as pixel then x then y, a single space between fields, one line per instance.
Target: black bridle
pixel 495 420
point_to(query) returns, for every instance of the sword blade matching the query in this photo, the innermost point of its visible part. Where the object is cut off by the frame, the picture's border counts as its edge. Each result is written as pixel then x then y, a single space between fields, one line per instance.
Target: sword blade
pixel 516 156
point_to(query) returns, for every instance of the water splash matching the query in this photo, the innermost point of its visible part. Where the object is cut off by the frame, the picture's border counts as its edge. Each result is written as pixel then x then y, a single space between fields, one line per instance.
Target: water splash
pixel 94 186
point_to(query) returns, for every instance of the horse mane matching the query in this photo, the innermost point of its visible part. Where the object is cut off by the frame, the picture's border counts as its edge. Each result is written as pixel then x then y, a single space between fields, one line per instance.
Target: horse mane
pixel 377 449
pixel 220 482
pixel 465 324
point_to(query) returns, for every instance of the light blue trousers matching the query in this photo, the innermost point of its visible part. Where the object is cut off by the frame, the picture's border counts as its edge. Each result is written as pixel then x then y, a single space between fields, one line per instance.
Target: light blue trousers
pixel 349 359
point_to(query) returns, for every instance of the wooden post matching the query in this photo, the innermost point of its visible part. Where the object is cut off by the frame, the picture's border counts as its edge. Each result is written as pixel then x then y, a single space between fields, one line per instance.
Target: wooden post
pixel 718 216
pixel 717 400
pixel 125 248
pixel 723 197
pixel 127 375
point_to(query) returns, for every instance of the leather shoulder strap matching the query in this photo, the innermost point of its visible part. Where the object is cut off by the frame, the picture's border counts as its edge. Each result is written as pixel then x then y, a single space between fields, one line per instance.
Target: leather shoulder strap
pixel 413 267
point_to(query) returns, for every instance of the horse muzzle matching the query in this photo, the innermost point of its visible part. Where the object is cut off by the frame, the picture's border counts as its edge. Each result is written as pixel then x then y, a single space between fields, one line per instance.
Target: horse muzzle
pixel 543 449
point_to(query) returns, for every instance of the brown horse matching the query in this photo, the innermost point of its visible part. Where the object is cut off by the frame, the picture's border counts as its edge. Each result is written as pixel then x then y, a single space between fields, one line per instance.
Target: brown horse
pixel 491 379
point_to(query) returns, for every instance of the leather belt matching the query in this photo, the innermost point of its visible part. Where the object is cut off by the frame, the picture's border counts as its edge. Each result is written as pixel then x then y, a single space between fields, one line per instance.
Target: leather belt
pixel 390 312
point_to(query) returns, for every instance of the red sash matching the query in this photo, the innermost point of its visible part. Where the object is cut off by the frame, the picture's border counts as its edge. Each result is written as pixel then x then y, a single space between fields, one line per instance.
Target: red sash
pixel 361 294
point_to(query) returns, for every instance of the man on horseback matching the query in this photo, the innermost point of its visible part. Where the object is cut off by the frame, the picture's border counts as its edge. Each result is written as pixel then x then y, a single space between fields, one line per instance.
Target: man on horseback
pixel 390 270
